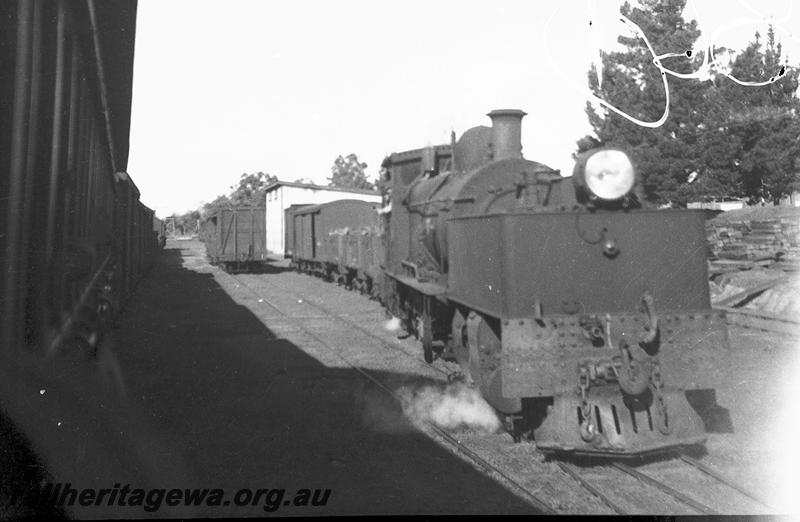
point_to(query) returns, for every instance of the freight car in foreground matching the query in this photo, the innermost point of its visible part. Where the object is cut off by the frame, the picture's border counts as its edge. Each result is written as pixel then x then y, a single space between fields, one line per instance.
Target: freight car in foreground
pixel 75 239
pixel 582 315
pixel 76 234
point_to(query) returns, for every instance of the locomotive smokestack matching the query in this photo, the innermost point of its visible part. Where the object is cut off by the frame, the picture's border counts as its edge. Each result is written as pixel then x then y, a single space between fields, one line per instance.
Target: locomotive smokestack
pixel 506 133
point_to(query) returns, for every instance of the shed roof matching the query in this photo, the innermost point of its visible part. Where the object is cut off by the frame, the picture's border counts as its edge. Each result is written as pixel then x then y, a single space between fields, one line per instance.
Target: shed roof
pixel 276 184
pixel 313 209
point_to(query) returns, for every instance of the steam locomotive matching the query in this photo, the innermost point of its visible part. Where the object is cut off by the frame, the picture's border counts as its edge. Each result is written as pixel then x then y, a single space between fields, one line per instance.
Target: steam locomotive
pixel 582 315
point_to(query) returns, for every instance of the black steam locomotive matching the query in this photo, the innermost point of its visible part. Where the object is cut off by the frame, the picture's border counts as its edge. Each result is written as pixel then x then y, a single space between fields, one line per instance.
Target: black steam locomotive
pixel 582 315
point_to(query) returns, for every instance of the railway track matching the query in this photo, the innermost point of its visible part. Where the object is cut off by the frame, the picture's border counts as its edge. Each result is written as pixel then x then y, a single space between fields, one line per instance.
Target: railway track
pixel 596 486
pixel 441 435
pixel 623 504
pixel 345 318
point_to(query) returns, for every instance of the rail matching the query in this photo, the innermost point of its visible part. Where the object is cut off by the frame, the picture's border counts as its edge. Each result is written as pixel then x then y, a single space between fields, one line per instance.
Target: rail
pixel 648 481
pixel 472 455
pixel 538 503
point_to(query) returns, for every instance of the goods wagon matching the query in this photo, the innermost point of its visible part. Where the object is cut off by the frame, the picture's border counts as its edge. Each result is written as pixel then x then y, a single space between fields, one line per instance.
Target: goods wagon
pixel 289 228
pixel 341 238
pixel 235 238
pixel 74 227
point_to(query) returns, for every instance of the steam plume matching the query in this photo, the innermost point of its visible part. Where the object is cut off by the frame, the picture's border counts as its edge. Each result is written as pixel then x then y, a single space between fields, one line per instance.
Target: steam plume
pixel 450 407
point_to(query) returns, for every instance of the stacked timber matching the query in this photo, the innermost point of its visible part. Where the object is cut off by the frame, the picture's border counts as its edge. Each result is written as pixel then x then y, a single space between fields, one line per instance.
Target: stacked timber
pixel 755 233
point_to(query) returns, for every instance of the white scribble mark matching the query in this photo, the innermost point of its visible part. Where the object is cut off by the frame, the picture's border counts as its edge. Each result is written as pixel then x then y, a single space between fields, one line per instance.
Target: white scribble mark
pixel 703 73
pixel 597 61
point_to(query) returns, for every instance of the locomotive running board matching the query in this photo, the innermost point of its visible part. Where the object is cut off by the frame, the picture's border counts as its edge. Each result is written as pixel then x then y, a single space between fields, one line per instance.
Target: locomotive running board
pixel 423 287
pixel 624 427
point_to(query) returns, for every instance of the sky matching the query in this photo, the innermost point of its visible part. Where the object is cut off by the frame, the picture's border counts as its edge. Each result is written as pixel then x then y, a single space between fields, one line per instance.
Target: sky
pixel 226 88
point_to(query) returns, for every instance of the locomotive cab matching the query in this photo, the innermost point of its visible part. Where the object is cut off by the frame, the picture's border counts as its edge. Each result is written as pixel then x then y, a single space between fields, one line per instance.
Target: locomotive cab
pixel 579 313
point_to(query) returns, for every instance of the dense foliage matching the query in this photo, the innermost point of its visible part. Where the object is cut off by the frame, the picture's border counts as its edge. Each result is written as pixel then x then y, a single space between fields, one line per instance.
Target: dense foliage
pixel 764 122
pixel 721 139
pixel 250 191
pixel 349 172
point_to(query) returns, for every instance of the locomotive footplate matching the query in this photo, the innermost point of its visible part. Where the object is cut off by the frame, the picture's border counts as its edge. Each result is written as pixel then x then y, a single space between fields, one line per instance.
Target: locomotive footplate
pixel 614 424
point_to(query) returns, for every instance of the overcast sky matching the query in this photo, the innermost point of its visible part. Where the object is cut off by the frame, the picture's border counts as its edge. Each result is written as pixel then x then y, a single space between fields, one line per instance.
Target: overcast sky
pixel 223 88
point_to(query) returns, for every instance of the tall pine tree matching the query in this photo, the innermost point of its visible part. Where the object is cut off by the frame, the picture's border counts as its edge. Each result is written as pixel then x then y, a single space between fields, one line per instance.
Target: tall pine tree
pixel 764 121
pixel 664 156
pixel 721 138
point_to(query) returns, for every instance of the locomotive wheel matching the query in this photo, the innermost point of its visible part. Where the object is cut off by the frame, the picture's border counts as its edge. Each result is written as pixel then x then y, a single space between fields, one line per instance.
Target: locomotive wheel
pixel 484 347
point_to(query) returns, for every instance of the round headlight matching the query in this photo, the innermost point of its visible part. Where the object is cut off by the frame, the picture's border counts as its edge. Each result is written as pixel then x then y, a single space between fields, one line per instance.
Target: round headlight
pixel 609 174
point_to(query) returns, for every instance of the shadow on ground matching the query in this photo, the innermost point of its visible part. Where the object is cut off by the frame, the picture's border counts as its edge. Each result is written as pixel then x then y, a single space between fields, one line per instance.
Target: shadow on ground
pixel 213 399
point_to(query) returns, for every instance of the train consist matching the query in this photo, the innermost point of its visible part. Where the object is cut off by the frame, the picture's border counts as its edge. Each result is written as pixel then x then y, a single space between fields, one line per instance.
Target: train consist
pixel 76 235
pixel 581 314
pixel 75 239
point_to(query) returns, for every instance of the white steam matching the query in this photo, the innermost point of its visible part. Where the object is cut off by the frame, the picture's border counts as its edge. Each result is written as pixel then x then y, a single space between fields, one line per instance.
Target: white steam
pixel 449 407
pixel 392 324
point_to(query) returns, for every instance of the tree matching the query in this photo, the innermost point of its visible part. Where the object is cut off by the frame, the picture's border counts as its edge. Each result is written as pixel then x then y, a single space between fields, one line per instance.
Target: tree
pixel 763 121
pixel 219 201
pixel 665 156
pixel 252 189
pixel 721 138
pixel 348 172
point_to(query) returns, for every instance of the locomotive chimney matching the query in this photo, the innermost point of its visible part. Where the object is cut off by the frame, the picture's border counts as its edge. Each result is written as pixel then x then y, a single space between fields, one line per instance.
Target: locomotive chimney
pixel 428 160
pixel 506 133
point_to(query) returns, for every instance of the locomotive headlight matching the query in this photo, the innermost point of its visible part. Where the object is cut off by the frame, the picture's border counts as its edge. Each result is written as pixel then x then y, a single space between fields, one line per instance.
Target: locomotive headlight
pixel 609 174
pixel 604 177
